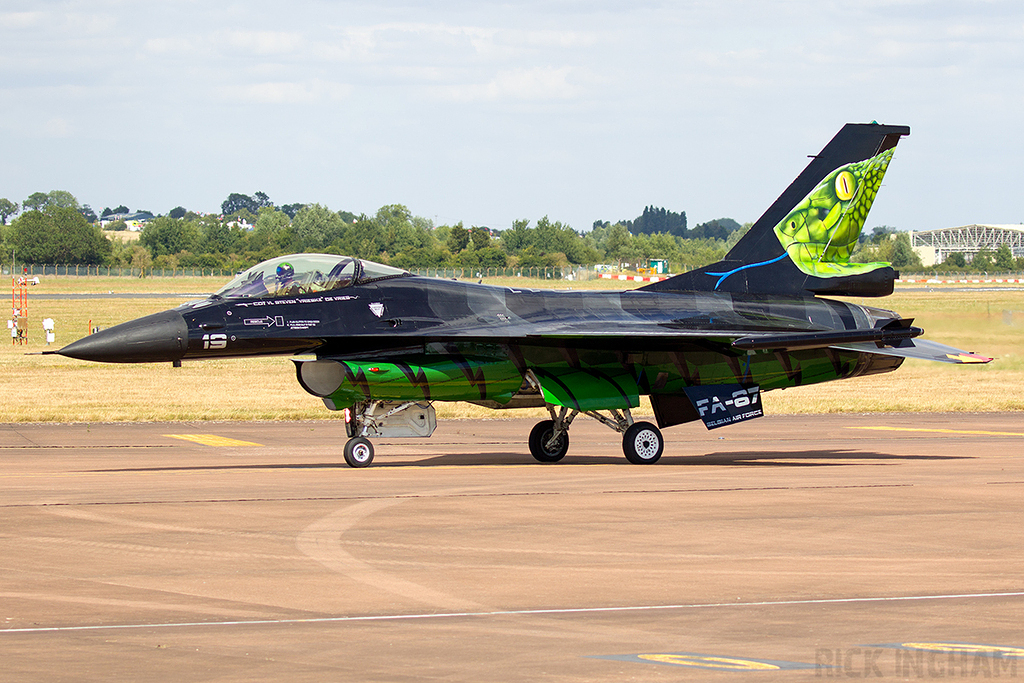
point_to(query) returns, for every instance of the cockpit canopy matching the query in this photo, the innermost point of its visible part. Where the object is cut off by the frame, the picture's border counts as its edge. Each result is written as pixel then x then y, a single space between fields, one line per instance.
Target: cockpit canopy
pixel 305 274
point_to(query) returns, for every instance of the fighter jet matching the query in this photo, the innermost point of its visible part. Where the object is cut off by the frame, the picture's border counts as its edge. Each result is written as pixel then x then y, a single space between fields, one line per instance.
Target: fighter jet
pixel 383 345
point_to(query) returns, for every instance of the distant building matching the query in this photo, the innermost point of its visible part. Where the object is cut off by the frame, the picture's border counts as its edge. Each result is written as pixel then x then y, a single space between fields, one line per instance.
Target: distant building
pixel 241 223
pixel 135 221
pixel 934 246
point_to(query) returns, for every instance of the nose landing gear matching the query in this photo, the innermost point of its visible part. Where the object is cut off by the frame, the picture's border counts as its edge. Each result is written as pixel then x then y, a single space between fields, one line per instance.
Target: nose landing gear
pixel 387 419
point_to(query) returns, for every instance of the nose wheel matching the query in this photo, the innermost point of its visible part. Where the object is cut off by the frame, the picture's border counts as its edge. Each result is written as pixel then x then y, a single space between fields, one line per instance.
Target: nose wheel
pixel 358 452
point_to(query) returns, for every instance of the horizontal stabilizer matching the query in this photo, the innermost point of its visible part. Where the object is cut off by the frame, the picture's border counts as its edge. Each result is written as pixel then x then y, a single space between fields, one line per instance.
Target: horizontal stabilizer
pixel 918 348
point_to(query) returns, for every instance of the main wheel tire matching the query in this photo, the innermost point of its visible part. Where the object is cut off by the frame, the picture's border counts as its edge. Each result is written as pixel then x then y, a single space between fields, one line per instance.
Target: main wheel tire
pixel 358 452
pixel 642 443
pixel 540 435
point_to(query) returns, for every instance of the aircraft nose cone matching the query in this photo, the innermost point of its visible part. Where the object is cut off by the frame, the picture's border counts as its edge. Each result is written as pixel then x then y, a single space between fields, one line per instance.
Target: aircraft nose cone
pixel 159 337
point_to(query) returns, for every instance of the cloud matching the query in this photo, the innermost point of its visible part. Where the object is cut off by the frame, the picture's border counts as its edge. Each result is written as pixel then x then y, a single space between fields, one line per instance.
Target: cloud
pixel 227 43
pixel 169 45
pixel 534 84
pixel 22 20
pixel 265 42
pixel 667 94
pixel 56 127
pixel 310 92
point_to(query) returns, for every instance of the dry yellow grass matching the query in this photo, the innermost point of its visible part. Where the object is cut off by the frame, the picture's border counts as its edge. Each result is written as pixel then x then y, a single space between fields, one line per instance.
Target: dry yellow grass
pixel 56 389
pixel 102 284
pixel 122 235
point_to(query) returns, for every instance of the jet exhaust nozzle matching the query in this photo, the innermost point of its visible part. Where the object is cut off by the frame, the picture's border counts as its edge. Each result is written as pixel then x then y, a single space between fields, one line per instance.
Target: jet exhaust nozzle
pixel 160 337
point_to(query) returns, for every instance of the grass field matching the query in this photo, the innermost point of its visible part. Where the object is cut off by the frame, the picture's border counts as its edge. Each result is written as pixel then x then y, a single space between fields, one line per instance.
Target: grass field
pixel 122 235
pixel 55 389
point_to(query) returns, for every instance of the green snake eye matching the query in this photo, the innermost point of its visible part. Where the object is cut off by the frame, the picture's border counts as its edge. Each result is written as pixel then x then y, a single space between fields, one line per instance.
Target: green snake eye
pixel 845 185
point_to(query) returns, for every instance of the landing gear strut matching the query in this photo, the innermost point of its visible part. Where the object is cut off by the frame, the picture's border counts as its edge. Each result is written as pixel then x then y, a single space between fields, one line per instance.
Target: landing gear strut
pixel 642 442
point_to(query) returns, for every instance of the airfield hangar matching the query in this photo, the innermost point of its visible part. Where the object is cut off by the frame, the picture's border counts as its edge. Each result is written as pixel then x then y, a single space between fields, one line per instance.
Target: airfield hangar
pixel 933 246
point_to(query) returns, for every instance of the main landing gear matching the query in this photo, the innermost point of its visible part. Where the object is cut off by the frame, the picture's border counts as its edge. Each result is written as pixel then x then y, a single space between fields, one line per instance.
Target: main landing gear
pixel 642 442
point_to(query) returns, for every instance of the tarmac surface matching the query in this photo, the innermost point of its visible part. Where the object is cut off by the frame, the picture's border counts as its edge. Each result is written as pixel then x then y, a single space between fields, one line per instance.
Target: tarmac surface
pixel 785 548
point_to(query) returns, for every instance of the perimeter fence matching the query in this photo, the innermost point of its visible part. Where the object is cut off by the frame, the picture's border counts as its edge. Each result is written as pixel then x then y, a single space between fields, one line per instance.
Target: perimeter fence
pixel 83 270
pixel 480 273
pixel 566 273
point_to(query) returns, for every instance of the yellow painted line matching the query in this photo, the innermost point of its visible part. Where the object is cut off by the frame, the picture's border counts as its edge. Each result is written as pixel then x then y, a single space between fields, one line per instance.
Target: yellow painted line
pixel 940 431
pixel 705 662
pixel 212 440
pixel 1015 652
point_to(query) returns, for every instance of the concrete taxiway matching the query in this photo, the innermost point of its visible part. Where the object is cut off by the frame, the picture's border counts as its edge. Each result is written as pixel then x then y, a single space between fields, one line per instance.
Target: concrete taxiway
pixel 792 547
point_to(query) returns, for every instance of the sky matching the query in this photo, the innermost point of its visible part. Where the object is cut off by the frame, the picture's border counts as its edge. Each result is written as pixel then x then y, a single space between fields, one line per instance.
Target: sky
pixel 487 112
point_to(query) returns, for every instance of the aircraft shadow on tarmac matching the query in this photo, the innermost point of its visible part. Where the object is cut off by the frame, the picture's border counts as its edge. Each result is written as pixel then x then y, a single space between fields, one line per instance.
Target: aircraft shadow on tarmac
pixel 811 458
pixel 831 458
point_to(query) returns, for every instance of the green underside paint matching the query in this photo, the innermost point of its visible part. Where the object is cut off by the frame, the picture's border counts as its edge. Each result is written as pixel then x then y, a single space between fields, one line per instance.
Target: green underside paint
pixel 598 381
pixel 592 389
pixel 668 375
pixel 443 380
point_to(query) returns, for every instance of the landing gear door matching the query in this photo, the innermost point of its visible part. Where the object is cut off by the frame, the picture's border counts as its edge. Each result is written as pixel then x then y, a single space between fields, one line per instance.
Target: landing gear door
pixel 390 419
pixel 719 405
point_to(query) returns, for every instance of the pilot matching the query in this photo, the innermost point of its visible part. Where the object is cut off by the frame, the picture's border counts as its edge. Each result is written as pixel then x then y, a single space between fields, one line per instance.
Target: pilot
pixel 286 280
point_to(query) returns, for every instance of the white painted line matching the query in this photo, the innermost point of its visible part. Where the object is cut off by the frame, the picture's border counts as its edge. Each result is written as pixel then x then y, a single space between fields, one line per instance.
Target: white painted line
pixel 505 613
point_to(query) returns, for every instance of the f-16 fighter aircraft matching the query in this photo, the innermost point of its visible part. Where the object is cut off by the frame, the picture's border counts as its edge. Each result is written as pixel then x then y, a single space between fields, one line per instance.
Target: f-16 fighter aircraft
pixel 383 345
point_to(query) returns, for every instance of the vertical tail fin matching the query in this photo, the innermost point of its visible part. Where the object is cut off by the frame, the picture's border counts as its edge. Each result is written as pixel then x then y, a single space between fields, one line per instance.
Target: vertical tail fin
pixel 802 243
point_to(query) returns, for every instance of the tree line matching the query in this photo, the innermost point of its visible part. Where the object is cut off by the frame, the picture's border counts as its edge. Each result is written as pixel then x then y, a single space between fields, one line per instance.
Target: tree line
pixel 54 228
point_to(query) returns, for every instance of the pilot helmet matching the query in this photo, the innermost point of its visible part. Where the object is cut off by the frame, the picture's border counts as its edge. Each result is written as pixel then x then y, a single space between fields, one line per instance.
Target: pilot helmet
pixel 285 272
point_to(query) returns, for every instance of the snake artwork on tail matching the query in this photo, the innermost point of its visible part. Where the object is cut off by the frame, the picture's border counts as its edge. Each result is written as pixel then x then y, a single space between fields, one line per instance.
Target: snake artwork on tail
pixel 821 232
